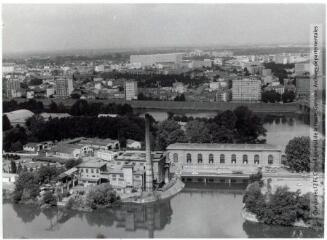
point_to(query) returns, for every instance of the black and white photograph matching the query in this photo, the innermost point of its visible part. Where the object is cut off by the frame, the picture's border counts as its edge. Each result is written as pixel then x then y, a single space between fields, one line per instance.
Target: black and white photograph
pixel 163 120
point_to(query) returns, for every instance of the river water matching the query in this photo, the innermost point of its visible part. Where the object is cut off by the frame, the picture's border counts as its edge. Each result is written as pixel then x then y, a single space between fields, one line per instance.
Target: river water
pixel 198 211
pixel 211 211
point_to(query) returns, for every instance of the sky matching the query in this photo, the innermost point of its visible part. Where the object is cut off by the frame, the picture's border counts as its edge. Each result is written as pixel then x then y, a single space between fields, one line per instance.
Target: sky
pixel 109 26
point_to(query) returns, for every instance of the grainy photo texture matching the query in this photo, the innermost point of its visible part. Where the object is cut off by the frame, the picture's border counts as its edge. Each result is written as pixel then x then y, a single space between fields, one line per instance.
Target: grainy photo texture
pixel 163 120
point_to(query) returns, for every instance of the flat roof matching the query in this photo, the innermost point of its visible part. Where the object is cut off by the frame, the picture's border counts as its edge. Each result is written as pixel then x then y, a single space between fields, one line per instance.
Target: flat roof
pixel 91 164
pixel 139 156
pixel 224 147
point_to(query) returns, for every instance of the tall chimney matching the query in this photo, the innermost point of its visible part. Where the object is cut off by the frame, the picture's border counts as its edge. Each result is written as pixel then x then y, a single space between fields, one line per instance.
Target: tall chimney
pixel 148 165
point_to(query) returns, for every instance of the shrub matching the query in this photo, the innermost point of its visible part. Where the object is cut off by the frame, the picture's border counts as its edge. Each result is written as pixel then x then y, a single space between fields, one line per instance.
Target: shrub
pixel 102 195
pixel 49 198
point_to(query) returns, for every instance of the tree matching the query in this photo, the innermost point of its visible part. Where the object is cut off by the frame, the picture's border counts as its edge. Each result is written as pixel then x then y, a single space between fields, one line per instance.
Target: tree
pixel 270 96
pixel 49 198
pixel 72 163
pixel 6 125
pixel 16 146
pixel 53 107
pixel 75 96
pixel 298 154
pixel 80 107
pixel 13 166
pixel 102 195
pixel 288 96
pixel 248 126
pixel 253 199
pixel 180 98
pixel 246 72
pixel 26 186
pixel 220 134
pixel 35 81
pixel 226 119
pixel 197 132
pixel 48 173
pixel 19 168
pixel 14 138
pixel 169 132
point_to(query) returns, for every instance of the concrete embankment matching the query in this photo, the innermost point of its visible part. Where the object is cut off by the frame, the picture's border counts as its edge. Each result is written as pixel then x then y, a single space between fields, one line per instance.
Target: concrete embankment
pixel 174 187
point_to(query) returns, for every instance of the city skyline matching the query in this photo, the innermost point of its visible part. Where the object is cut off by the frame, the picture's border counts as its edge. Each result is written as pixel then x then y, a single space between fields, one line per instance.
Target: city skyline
pixel 47 28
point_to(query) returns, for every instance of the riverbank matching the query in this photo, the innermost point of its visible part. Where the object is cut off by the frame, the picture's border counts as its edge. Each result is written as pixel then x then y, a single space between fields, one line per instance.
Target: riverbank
pixel 251 217
pixel 171 189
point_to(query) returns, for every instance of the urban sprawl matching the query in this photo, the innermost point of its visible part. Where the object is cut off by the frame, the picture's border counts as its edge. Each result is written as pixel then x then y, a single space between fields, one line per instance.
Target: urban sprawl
pixel 66 154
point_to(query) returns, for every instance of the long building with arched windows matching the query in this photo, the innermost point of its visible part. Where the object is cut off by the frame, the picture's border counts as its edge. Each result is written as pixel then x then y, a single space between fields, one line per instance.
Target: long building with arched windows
pixel 210 159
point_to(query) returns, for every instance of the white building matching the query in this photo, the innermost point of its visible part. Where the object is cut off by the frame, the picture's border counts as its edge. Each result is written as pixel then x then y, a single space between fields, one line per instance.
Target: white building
pixel 50 92
pixel 132 144
pixel 130 90
pixel 214 86
pixel 11 88
pixel 179 87
pixel 301 69
pixel 99 68
pixel 8 68
pixel 246 90
pixel 64 87
pixel 106 155
pixel 149 60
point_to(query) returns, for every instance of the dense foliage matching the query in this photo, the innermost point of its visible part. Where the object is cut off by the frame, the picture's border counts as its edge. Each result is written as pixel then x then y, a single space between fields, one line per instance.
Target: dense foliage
pixel 238 126
pixel 169 132
pixel 31 104
pixel 101 195
pixel 5 123
pixel 298 154
pixel 270 96
pixel 282 207
pixel 79 108
pixel 72 163
pixel 49 198
pixel 279 70
pixel 153 80
pixel 27 185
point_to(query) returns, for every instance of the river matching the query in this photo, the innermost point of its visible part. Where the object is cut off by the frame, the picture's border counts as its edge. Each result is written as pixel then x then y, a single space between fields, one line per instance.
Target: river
pixel 211 211
pixel 198 211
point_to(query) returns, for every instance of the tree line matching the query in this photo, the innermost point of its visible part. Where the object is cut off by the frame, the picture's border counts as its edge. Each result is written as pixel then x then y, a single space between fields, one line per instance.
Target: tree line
pixel 153 80
pixel 272 96
pixel 238 126
pixel 79 108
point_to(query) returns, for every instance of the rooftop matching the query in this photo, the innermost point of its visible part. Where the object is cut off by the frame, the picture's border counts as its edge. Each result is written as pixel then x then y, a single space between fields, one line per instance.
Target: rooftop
pixel 92 164
pixel 218 146
pixel 19 115
pixel 99 141
pixel 139 156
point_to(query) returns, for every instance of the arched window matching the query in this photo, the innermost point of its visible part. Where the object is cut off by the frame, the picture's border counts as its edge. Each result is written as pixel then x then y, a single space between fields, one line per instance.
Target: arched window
pixel 175 157
pixel 210 158
pixel 234 158
pixel 222 158
pixel 199 158
pixel 245 159
pixel 256 159
pixel 270 159
pixel 188 158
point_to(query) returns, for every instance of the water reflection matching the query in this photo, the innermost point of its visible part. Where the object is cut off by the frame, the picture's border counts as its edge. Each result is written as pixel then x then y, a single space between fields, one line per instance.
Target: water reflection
pixel 129 217
pixel 26 212
pixel 258 230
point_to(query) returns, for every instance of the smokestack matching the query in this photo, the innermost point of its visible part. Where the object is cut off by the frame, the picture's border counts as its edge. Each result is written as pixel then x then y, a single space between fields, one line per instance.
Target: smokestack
pixel 148 165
